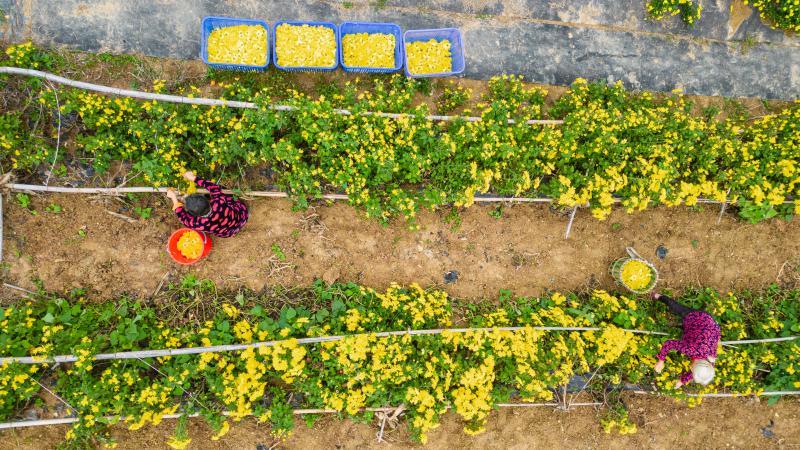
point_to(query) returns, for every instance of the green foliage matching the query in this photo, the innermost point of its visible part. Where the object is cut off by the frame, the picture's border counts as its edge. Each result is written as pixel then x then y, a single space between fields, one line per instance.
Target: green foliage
pixel 754 213
pixel 28 56
pixel 24 200
pixel 452 97
pixel 497 212
pixel 54 208
pixel 278 252
pixel 144 213
pixel 784 14
pixel 689 10
pixel 613 144
pixel 470 371
pixel 19 149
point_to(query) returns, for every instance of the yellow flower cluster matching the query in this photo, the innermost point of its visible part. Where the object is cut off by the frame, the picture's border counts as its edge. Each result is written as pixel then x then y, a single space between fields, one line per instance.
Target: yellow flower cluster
pixel 472 399
pixel 15 380
pixel 420 304
pixel 19 55
pixel 469 371
pixel 611 344
pixel 240 44
pixel 621 422
pixel 374 50
pixel 636 275
pixel 428 57
pixel 305 45
pixel 179 444
pixel 190 244
pixel 783 14
pixel 689 10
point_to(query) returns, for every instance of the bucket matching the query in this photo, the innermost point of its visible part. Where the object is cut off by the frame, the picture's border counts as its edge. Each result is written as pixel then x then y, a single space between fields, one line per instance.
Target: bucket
pixel 616 271
pixel 175 254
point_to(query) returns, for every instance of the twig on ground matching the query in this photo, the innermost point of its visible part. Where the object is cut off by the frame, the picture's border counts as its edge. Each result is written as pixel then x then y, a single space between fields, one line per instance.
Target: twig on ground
pixel 569 224
pixel 160 284
pixel 121 216
pixel 17 288
pixel 58 135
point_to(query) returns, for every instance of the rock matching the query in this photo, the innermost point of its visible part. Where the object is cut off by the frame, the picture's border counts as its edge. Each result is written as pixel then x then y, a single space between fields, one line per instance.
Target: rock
pixel 767 430
pixel 32 413
pixel 331 275
pixel 451 277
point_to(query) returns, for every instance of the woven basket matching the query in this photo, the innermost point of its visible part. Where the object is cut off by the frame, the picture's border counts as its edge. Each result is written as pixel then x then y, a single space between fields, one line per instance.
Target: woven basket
pixel 616 271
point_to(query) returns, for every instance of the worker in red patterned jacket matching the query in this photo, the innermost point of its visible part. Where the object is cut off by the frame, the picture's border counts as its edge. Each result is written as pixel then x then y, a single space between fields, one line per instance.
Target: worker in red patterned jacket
pixel 699 341
pixel 216 213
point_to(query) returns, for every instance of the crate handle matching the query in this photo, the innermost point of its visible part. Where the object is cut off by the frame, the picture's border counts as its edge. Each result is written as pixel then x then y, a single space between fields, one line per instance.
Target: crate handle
pixel 632 253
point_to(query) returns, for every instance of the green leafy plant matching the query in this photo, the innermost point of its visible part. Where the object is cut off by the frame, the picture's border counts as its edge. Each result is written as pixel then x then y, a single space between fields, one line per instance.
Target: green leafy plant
pixel 452 97
pixel 144 213
pixel 689 10
pixel 24 201
pixel 784 14
pixel 614 146
pixel 278 252
pixel 497 212
pixel 54 208
pixel 755 213
pixel 470 371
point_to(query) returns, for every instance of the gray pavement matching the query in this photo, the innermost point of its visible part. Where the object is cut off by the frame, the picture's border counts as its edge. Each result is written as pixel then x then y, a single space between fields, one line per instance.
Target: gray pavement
pixel 548 41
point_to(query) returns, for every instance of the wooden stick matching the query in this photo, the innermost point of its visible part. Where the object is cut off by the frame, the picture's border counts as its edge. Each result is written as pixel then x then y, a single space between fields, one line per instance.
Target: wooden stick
pixel 122 216
pixel 17 288
pixel 724 205
pixel 571 219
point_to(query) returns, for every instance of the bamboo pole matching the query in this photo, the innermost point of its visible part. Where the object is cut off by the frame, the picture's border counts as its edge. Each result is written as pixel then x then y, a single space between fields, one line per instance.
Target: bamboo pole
pixel 727 395
pixel 271 194
pixel 315 340
pixel 232 103
pixel 386 409
pixel 301 341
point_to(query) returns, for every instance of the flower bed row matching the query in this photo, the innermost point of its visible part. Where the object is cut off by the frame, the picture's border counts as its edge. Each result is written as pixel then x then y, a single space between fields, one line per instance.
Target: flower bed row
pixel 471 371
pixel 645 150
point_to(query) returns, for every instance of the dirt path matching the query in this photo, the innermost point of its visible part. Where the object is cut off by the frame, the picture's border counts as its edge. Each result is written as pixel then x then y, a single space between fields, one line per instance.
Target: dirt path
pixel 524 250
pixel 663 424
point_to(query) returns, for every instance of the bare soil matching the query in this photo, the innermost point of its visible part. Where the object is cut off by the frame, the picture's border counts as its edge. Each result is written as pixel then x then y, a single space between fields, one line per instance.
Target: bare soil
pixel 662 423
pixel 524 250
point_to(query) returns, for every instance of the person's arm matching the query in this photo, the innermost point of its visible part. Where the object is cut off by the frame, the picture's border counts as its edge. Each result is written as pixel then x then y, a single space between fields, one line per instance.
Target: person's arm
pixel 669 346
pixel 686 378
pixel 213 189
pixel 172 195
pixel 713 356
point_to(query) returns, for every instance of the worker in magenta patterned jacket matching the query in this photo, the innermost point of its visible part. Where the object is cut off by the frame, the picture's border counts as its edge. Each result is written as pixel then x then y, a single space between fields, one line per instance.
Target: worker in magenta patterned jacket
pixel 217 213
pixel 699 341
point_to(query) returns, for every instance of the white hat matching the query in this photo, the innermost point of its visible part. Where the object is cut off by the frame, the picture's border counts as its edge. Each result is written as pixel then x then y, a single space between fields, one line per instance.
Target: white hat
pixel 702 371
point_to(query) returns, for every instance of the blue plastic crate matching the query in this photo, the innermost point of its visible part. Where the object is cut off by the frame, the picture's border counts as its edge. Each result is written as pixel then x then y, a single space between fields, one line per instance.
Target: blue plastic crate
pixel 372 28
pixel 305 68
pixel 456 48
pixel 211 23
